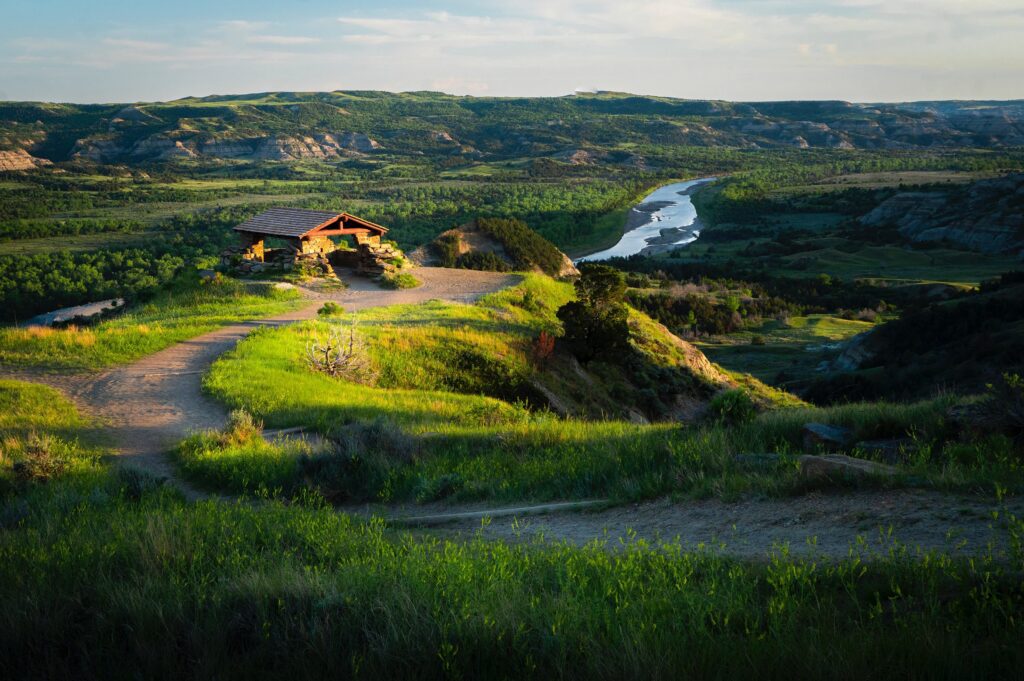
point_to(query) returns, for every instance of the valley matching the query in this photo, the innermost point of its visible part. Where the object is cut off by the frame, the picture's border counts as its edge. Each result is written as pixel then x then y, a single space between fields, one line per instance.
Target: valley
pixel 604 384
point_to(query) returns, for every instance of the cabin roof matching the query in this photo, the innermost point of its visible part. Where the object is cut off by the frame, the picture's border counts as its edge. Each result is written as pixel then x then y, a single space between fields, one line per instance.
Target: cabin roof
pixel 298 222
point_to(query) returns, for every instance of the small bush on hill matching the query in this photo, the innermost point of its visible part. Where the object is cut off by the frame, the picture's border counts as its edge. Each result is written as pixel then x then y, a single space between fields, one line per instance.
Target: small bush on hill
pixel 42 459
pixel 242 428
pixel 732 406
pixel 331 309
pixel 399 280
pixel 359 464
pixel 446 247
pixel 486 261
pixel 525 247
pixel 1006 404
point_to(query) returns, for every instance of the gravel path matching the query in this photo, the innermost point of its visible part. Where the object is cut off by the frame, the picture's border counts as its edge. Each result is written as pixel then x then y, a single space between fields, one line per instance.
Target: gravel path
pixel 867 521
pixel 151 404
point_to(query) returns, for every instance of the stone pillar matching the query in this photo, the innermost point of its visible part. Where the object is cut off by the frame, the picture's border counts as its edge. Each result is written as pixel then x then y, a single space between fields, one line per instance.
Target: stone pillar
pixel 253 247
pixel 367 239
pixel 317 244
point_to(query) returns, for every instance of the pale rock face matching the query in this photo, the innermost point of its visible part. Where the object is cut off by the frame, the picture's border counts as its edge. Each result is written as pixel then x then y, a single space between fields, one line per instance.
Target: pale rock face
pixel 987 217
pixel 577 157
pixel 161 148
pixel 97 150
pixel 19 159
pixel 227 148
pixel 357 141
pixel 271 147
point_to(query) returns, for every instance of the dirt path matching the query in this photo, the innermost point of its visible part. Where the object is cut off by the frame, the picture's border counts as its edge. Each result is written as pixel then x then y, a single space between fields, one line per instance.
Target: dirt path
pixel 151 404
pixel 866 521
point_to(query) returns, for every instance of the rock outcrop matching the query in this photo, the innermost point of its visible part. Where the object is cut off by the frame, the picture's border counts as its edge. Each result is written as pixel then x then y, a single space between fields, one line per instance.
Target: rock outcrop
pixel 988 216
pixel 19 159
pixel 183 145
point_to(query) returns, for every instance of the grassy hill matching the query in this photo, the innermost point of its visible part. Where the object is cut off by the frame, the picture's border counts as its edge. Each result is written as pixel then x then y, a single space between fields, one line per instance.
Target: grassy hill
pixel 496 244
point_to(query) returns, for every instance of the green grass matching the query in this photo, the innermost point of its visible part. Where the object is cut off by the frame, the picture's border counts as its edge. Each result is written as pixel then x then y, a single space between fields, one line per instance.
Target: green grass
pixel 185 311
pixel 76 243
pixel 107 580
pixel 400 280
pixel 796 346
pixel 438 434
pixel 42 435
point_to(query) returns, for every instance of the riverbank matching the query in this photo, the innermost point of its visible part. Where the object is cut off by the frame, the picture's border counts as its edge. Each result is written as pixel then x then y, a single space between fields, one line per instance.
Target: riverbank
pixel 665 219
pixel 673 237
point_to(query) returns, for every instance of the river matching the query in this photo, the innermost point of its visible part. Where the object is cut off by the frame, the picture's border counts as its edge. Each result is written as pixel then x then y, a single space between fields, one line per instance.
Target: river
pixel 664 219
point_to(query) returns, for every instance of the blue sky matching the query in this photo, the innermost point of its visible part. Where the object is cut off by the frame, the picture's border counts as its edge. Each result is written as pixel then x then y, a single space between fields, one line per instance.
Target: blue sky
pixel 860 50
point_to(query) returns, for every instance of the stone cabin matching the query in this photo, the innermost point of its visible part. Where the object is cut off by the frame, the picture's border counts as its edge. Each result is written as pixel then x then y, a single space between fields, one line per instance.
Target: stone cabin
pixel 306 235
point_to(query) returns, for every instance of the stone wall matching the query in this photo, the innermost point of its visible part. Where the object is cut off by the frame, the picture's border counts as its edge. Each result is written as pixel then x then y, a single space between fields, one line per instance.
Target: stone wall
pixel 317 245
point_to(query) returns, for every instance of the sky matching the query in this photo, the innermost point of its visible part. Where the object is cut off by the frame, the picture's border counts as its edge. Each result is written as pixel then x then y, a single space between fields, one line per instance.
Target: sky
pixel 745 50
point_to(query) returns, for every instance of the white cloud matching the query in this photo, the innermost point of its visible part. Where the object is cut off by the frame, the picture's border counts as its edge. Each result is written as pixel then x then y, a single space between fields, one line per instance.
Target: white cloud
pixel 282 40
pixel 140 45
pixel 853 49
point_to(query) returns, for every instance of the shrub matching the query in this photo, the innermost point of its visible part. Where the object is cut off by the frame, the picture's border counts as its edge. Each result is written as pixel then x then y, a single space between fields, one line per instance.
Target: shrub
pixel 591 332
pixel 399 280
pixel 362 458
pixel 542 349
pixel 867 315
pixel 339 355
pixel 486 261
pixel 1006 404
pixel 597 324
pixel 446 248
pixel 134 483
pixel 242 427
pixel 525 247
pixel 41 460
pixel 732 406
pixel 331 309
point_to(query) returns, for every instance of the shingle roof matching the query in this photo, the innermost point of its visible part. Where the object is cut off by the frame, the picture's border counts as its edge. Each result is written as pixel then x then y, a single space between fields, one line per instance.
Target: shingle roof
pixel 292 222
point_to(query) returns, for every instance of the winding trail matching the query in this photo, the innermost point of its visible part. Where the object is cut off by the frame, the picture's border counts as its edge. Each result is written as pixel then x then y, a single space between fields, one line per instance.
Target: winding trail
pixel 148 406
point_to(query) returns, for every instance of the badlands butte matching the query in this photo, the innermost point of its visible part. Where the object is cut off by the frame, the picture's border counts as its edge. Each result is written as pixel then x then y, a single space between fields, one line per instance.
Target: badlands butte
pixel 578 129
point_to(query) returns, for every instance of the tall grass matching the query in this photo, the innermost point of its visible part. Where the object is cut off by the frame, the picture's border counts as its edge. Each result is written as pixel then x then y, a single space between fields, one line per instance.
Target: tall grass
pixel 101 584
pixel 42 436
pixel 105 574
pixel 185 311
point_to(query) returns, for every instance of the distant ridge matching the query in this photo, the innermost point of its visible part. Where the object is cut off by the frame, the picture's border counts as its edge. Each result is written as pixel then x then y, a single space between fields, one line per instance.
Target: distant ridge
pixel 296 126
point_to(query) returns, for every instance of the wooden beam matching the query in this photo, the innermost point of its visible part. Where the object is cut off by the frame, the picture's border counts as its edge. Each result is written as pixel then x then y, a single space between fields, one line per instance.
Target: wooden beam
pixel 339 232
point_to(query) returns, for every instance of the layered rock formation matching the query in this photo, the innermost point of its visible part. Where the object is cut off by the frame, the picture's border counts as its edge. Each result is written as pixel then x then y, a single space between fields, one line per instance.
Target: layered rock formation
pixel 178 145
pixel 987 216
pixel 19 159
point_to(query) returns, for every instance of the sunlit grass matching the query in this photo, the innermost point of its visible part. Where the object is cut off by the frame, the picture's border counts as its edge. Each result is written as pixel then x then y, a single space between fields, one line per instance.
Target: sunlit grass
pixel 171 317
pixel 440 370
pixel 41 435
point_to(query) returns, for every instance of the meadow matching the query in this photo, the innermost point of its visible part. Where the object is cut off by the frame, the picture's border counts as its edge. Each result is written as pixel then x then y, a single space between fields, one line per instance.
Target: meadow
pixel 794 348
pixel 105 572
pixel 445 413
